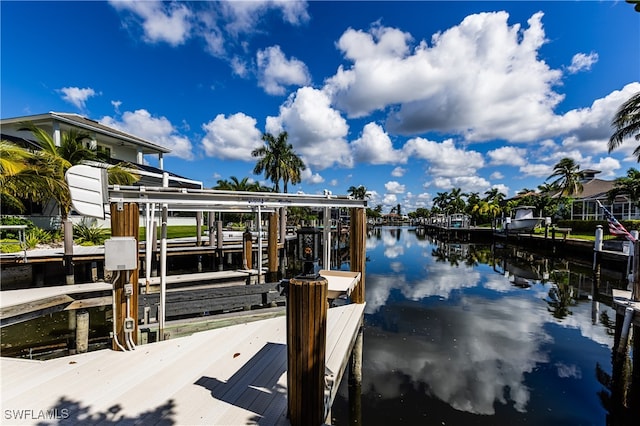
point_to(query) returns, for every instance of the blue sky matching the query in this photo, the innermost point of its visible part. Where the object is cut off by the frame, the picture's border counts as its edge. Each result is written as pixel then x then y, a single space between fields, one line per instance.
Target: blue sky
pixel 406 98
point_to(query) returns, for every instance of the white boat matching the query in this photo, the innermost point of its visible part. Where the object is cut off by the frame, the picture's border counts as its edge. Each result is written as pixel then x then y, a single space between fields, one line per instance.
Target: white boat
pixel 524 220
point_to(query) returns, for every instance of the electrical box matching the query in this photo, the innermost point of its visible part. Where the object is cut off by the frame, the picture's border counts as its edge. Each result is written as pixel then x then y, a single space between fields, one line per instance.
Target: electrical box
pixel 129 324
pixel 121 254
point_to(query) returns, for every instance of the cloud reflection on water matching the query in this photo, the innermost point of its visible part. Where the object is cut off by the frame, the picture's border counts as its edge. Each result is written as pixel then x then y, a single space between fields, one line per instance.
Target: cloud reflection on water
pixel 469 356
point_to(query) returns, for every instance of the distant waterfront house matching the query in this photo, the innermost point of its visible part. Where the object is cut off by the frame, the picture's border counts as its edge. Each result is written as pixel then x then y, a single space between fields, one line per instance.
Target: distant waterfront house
pixel 585 205
pixel 117 145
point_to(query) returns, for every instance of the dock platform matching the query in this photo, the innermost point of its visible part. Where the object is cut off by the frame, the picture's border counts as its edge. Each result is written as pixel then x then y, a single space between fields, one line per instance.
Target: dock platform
pixel 229 376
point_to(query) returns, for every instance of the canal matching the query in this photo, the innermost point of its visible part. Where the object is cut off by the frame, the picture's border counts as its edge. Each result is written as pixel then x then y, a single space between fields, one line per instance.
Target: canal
pixel 459 334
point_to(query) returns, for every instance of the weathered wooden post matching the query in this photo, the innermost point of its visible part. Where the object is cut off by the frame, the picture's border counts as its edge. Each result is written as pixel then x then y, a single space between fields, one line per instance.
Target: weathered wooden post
pixel 68 251
pixel 355 381
pixel 247 250
pixel 597 257
pixel 283 240
pixel 220 245
pixel 125 219
pixel 154 248
pixel 306 347
pixel 635 291
pixel 198 229
pixel 357 250
pixel 272 247
pixel 82 331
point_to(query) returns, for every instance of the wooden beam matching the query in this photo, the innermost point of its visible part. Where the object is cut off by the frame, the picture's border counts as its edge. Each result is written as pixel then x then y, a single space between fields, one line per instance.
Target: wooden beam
pixel 272 247
pixel 125 219
pixel 357 250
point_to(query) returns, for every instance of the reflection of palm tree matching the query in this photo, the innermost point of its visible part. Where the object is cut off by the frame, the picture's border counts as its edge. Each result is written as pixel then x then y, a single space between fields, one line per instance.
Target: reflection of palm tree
pixel 561 296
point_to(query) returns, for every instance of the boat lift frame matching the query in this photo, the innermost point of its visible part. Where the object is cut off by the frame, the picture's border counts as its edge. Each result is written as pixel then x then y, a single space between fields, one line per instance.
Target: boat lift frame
pixel 92 196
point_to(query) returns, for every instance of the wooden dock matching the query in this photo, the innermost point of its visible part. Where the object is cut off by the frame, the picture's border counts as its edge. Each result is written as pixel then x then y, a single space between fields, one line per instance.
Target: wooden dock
pixel 229 376
pixel 622 301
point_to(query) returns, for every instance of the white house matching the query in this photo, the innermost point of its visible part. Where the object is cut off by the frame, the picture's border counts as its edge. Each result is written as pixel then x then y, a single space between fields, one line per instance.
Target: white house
pixel 116 144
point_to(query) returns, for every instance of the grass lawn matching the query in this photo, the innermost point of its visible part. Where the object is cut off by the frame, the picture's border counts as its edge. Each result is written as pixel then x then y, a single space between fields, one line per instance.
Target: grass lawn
pixel 177 231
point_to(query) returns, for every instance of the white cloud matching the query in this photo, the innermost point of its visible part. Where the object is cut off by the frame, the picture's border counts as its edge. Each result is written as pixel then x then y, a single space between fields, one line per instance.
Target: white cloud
pixel 496 176
pixel 244 16
pixel 394 187
pixel 275 72
pixel 581 62
pixel 316 131
pixel 444 157
pixel 374 147
pixel 77 96
pixel 398 172
pixel 508 155
pixel 309 177
pixel 536 170
pixel 231 138
pixel 239 66
pixel 158 130
pixel 590 127
pixel 390 200
pixel 481 78
pixel 161 22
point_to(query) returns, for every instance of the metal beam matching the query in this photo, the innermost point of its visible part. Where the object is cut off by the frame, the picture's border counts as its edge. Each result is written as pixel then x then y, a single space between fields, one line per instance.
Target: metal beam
pixel 210 199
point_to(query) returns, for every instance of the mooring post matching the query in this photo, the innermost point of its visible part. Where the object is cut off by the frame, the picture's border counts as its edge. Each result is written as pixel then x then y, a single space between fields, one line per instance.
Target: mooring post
pixel 219 245
pixel 283 240
pixel 247 250
pixel 68 251
pixel 635 289
pixel 198 229
pixel 82 331
pixel 355 381
pixel 357 250
pixel 272 248
pixel 306 347
pixel 154 248
pixel 597 257
pixel 125 219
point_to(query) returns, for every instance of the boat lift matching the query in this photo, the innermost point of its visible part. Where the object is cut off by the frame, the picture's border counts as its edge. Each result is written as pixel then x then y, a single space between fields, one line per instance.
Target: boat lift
pixel 92 196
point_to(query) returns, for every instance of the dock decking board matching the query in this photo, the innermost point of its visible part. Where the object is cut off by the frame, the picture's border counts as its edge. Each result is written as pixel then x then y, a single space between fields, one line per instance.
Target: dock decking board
pixel 197 379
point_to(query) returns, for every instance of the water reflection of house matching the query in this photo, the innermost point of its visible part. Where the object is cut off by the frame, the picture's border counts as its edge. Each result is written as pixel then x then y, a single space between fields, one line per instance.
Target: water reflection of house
pixel 115 145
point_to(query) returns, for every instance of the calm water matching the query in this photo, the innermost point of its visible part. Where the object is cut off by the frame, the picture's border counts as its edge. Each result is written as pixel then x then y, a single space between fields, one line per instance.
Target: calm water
pixel 463 334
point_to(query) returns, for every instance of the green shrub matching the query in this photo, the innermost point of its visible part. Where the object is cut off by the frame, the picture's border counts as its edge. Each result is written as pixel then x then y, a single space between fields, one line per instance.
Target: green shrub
pixel 589 226
pixel 37 236
pixel 14 220
pixel 10 246
pixel 86 235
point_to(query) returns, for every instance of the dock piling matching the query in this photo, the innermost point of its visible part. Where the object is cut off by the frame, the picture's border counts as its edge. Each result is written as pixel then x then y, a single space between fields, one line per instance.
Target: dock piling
pixel 82 331
pixel 306 347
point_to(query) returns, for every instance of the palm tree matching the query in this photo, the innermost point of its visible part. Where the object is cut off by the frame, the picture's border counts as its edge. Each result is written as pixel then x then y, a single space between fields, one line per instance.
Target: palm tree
pixel 626 123
pixel 71 152
pixel 456 202
pixel 547 188
pixel 628 185
pixel 494 194
pixel 568 176
pixel 441 200
pixel 358 192
pixel 278 161
pixel 238 185
pixel 26 175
